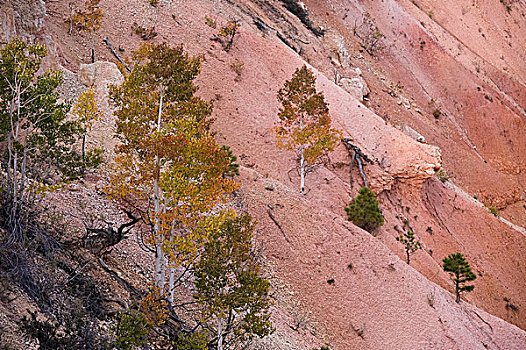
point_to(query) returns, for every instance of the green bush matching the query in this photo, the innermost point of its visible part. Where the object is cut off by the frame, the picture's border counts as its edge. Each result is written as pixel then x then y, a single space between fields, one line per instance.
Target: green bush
pixel 193 341
pixel 493 210
pixel 364 211
pixel 442 175
pixel 131 329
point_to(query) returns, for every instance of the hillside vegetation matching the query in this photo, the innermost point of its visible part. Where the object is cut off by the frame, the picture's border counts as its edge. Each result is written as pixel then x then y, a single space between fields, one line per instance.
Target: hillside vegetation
pixel 263 174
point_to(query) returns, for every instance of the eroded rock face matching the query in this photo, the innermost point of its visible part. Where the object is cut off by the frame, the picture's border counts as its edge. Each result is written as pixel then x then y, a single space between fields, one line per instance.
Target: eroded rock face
pixel 22 19
pixel 396 156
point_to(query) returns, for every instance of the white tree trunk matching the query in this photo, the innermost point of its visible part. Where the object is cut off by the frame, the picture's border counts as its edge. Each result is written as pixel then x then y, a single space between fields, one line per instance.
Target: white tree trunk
pixel 171 279
pixel 302 161
pixel 302 172
pixel 219 333
pixel 159 254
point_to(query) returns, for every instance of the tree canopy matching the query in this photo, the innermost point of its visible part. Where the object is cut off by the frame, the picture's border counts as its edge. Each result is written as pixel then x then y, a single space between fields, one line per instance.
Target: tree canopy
pixel 38 141
pixel 168 157
pixel 229 284
pixel 304 121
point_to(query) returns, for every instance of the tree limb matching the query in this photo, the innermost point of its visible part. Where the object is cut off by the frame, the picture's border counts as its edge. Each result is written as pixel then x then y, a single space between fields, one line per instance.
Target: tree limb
pixel 359 157
pixel 107 42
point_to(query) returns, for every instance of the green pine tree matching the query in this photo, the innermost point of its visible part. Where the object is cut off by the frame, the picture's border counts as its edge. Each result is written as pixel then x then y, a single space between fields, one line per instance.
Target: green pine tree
pixel 364 211
pixel 410 242
pixel 460 271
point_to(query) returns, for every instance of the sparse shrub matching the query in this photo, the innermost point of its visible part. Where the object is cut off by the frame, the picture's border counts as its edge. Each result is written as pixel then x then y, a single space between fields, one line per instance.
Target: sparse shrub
pixel 460 271
pixel 226 34
pixel 144 33
pixel 510 305
pixel 411 244
pixel 237 67
pixel 507 4
pixel 442 175
pixel 431 299
pixel 493 210
pixel 364 211
pixel 69 330
pixel 89 19
pixel 370 35
pixel 431 14
pixel 429 230
pixel 192 341
pixel 131 329
pixel 437 113
pixel 154 3
pixel 209 21
pixel 330 281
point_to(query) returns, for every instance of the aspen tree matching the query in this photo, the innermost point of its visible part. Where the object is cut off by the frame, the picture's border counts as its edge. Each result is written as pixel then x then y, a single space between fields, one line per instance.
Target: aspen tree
pixel 304 121
pixel 89 19
pixel 229 285
pixel 86 111
pixel 36 141
pixel 168 156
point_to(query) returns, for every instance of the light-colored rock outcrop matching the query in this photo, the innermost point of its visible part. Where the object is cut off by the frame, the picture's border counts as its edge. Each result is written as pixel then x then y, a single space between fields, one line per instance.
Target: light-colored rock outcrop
pixel 100 74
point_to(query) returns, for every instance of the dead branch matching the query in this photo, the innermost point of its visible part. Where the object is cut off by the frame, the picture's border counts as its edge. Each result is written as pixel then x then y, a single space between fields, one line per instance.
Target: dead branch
pixel 131 289
pixel 107 42
pixel 97 240
pixel 271 216
pixel 358 156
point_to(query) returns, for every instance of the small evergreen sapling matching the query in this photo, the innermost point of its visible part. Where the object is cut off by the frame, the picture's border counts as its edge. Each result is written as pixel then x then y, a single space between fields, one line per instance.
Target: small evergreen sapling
pixel 411 244
pixel 364 211
pixel 460 271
